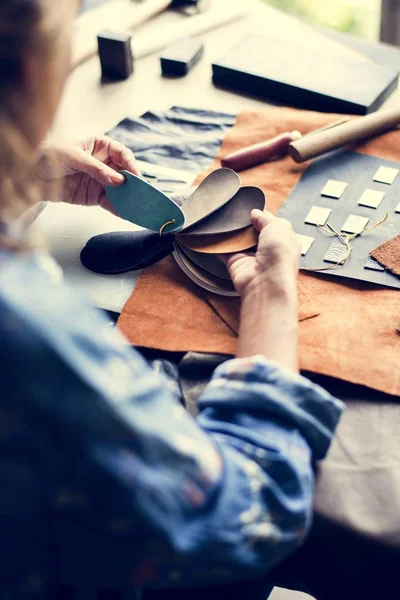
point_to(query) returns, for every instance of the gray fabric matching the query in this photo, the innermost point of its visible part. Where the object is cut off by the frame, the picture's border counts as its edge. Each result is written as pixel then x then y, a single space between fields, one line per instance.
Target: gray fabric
pixel 195 371
pixel 354 546
pixel 180 138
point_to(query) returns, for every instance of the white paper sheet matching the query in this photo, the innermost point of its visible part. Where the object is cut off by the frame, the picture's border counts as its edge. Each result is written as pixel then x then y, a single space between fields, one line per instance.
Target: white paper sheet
pixel 66 230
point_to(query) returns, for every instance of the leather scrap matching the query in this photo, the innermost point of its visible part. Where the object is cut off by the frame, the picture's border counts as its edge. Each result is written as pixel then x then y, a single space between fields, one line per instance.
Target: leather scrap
pixel 354 337
pixel 184 317
pixel 388 255
pixel 167 311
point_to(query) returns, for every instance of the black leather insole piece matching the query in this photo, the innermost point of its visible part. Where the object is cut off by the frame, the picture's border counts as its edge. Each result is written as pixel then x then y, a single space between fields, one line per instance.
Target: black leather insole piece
pixel 122 251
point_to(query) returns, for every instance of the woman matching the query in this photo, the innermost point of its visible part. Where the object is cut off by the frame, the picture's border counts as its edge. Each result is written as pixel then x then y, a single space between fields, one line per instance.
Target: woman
pixel 106 482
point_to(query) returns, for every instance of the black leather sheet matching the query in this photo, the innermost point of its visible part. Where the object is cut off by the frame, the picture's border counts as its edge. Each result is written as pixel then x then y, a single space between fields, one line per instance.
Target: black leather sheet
pixel 358 171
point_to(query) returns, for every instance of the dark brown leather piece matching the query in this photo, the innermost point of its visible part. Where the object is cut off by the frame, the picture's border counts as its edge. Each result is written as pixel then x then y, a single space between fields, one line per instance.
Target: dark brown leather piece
pixel 214 191
pixel 234 215
pixel 208 262
pixel 203 278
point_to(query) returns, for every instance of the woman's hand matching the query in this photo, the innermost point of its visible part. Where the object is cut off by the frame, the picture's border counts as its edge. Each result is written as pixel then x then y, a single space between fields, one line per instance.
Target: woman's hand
pixel 276 261
pixel 266 281
pixel 78 173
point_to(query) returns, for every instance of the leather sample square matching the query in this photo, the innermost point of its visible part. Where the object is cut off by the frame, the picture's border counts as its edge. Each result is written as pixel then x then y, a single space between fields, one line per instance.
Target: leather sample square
pixel 373 265
pixel 334 188
pixel 386 175
pixel 336 251
pixel 388 255
pixel 318 215
pixel 355 224
pixel 371 198
pixel 306 242
pixel 358 170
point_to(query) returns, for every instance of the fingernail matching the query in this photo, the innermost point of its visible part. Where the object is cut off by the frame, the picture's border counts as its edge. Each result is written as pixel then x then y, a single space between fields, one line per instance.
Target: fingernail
pixel 117 178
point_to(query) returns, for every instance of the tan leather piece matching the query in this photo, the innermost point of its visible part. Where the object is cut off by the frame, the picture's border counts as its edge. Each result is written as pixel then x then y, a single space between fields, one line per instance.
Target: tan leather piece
pixel 222 243
pixel 168 311
pixel 181 317
pixel 229 310
pixel 388 255
pixel 354 338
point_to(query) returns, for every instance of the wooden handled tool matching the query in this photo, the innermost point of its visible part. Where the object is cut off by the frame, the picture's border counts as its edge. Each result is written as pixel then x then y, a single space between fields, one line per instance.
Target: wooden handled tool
pixel 258 153
pixel 336 136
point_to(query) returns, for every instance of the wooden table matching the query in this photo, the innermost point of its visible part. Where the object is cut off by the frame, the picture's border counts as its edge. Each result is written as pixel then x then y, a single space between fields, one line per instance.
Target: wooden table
pixel 354 540
pixel 89 107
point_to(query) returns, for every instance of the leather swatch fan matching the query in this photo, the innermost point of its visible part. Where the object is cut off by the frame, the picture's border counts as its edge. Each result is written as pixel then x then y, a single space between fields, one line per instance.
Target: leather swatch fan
pixel 213 220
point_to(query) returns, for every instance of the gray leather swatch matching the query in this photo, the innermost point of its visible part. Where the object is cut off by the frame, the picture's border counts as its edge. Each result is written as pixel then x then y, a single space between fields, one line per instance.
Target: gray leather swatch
pixel 208 262
pixel 215 191
pixel 233 215
pixel 203 278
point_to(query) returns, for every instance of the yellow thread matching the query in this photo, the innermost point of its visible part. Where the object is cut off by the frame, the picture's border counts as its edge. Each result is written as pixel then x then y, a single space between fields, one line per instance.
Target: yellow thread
pixel 166 225
pixel 346 238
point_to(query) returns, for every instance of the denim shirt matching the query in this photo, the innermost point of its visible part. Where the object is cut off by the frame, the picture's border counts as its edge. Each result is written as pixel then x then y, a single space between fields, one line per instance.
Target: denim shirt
pixel 108 483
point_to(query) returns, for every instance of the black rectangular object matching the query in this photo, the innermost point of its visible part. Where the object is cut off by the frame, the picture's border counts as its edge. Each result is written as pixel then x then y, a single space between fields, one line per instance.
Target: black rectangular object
pixel 358 171
pixel 180 57
pixel 115 54
pixel 297 75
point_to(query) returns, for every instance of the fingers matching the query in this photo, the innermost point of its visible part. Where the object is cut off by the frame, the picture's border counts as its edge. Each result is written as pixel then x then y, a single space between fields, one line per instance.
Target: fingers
pixel 106 204
pixel 85 163
pixel 261 218
pixel 105 148
pixel 230 259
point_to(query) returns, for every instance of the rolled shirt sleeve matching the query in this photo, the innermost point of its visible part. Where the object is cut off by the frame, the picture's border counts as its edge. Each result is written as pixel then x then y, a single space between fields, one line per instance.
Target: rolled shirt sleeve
pixel 133 491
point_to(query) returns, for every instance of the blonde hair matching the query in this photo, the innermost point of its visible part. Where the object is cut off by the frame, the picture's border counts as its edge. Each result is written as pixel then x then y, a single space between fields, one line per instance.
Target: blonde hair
pixel 26 27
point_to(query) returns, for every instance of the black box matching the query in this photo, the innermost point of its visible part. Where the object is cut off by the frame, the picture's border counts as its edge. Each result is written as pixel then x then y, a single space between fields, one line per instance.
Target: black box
pixel 115 54
pixel 180 57
pixel 298 75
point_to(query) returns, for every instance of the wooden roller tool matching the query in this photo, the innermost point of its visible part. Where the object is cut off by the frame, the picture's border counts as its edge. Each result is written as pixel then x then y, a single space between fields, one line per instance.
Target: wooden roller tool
pixel 248 157
pixel 338 135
